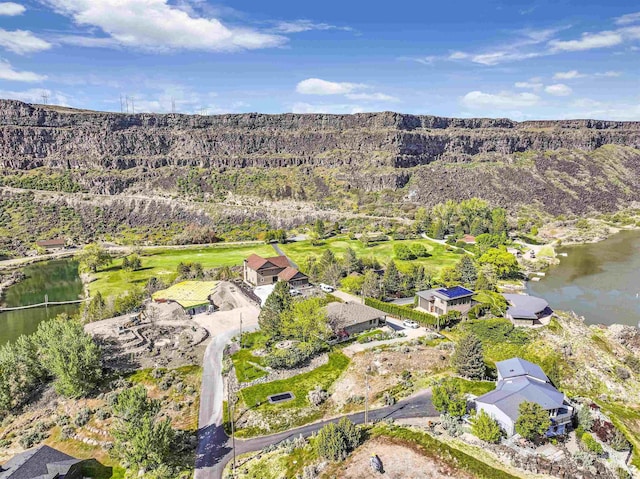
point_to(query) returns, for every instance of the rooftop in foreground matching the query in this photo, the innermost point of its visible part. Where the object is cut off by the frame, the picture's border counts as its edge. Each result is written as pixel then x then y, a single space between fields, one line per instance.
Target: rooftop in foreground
pixel 187 294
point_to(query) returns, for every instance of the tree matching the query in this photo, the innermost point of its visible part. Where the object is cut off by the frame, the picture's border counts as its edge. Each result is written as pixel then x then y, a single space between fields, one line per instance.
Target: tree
pixel 402 251
pixel 486 428
pixel 533 421
pixel 499 221
pixel 335 441
pixel 468 359
pixel 352 263
pixel 332 274
pixel 419 251
pixel 132 263
pixel 392 281
pixel 331 443
pixel 141 439
pixel 95 310
pixel 506 265
pixel 437 230
pixel 93 257
pixel 306 321
pixel 371 285
pixel 21 371
pixel 447 398
pixel 70 355
pixel 318 228
pixel 276 304
pixel 467 271
pixel 353 284
pixel 422 220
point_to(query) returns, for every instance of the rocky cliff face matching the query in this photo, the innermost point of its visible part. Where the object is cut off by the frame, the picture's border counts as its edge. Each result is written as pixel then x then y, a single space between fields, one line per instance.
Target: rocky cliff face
pixel 33 136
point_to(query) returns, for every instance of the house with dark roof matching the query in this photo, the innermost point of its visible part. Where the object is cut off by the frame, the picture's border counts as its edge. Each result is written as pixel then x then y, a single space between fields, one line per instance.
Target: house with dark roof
pixel 525 310
pixel 350 318
pixel 42 462
pixel 520 381
pixel 259 271
pixel 444 300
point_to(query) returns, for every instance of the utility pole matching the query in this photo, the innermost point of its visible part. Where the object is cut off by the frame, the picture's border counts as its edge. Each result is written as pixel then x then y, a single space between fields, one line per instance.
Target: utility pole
pixel 366 396
pixel 240 330
pixel 121 104
pixel 233 436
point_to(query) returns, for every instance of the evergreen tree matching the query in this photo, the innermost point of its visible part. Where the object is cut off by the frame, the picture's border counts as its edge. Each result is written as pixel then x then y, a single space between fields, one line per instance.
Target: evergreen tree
pixel 276 304
pixel 95 310
pixel 467 271
pixel 93 257
pixel 318 228
pixel 351 262
pixel 392 280
pixel 371 285
pixel 486 428
pixel 468 359
pixel 499 221
pixel 331 443
pixel 533 421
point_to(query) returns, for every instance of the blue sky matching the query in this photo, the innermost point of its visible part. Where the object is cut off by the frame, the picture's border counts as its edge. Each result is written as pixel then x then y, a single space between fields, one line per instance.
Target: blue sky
pixel 523 60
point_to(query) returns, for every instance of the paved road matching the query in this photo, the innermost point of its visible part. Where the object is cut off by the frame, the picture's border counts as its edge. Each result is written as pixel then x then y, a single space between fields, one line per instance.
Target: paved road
pixel 279 251
pixel 217 453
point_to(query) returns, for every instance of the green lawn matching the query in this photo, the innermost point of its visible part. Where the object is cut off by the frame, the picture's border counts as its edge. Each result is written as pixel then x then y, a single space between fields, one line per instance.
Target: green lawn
pixel 245 371
pixel 383 252
pixel 299 385
pixel 113 281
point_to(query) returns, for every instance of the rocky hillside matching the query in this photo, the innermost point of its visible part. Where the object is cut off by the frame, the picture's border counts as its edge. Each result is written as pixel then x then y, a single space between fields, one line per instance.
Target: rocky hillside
pixel 376 163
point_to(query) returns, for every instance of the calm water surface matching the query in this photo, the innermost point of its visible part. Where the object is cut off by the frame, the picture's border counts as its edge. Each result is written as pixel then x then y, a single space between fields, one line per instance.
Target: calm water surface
pixel 599 281
pixel 58 279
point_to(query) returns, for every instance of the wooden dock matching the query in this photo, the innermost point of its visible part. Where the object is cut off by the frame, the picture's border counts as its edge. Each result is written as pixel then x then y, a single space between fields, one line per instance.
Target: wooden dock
pixel 45 304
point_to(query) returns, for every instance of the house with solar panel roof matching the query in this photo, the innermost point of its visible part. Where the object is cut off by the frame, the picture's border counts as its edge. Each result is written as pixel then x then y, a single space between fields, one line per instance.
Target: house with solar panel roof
pixel 441 301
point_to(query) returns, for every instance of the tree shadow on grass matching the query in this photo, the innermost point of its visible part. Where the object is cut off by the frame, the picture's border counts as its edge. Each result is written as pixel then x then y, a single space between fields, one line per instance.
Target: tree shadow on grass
pixel 93 469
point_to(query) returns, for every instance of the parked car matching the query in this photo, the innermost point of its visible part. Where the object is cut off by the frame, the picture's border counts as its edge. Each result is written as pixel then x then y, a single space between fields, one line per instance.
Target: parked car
pixel 294 292
pixel 326 288
pixel 409 323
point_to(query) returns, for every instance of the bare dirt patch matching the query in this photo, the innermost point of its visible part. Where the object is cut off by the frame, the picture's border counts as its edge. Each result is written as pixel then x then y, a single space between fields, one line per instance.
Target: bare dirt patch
pixel 400 460
pixel 386 367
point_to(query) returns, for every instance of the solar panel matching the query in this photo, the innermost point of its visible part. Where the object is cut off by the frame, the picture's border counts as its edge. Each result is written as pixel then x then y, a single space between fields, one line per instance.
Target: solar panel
pixel 455 292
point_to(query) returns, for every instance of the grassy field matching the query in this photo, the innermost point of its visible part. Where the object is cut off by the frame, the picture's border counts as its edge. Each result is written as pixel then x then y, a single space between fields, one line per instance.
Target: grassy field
pixel 162 264
pixel 383 252
pixel 245 371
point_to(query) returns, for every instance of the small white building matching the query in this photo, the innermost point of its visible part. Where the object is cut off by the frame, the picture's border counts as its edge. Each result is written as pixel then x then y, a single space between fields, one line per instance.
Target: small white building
pixel 520 381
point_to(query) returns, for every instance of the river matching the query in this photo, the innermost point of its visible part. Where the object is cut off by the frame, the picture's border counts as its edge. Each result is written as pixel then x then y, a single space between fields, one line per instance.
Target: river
pixel 600 281
pixel 58 279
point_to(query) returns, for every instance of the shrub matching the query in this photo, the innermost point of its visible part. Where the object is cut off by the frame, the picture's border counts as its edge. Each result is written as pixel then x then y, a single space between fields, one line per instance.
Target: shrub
pixel 603 430
pixel 585 419
pixel 317 396
pixel 82 417
pixel 31 438
pixel 622 373
pixel 67 432
pixel 622 473
pixel 451 425
pixel 618 442
pixel 419 251
pixel 591 444
pixel 103 414
pixel 351 432
pixel 63 420
pixel 478 311
pixel 486 428
pixel 447 399
pixel 293 357
pixel 633 362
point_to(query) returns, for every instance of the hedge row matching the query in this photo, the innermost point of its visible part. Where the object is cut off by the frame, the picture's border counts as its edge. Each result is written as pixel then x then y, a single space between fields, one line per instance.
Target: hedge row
pixel 403 312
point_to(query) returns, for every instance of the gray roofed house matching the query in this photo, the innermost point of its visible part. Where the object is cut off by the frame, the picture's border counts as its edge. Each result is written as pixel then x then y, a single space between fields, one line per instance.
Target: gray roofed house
pixel 441 301
pixel 525 310
pixel 350 318
pixel 42 462
pixel 520 381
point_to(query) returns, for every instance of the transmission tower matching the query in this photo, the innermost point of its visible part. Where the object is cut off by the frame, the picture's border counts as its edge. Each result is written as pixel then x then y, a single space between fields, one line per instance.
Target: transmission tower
pixel 45 98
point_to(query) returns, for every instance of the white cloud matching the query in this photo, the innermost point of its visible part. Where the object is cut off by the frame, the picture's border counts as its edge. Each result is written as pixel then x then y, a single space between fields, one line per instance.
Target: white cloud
pixel 609 74
pixel 570 75
pixel 371 97
pixel 35 95
pixel 346 108
pixel 559 89
pixel 505 100
pixel 297 26
pixel 155 25
pixel 530 85
pixel 89 42
pixel 8 73
pixel 588 108
pixel 316 86
pixel 458 55
pixel 11 9
pixel 588 41
pixel 628 18
pixel 22 42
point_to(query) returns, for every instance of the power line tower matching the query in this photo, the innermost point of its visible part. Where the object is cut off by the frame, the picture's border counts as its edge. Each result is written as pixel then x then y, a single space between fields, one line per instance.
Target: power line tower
pixel 173 105
pixel 45 98
pixel 121 104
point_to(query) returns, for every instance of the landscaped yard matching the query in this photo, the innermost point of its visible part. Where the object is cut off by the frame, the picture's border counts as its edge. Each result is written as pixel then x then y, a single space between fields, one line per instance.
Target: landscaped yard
pixel 245 370
pixel 383 252
pixel 162 264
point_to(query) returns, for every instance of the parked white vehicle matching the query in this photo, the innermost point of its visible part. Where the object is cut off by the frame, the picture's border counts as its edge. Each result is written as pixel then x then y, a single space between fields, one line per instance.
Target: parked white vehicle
pixel 294 292
pixel 409 323
pixel 326 288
